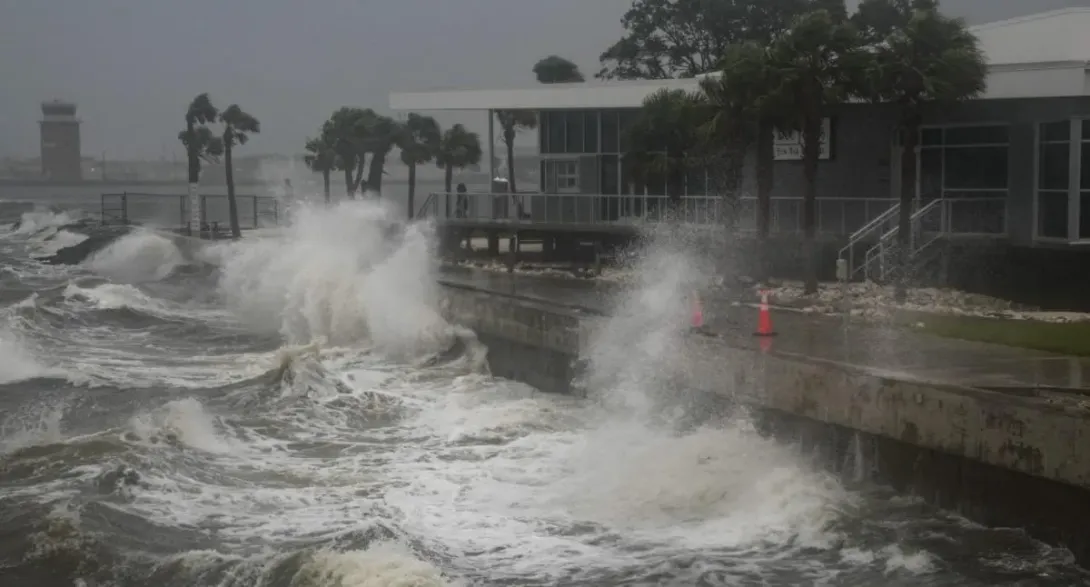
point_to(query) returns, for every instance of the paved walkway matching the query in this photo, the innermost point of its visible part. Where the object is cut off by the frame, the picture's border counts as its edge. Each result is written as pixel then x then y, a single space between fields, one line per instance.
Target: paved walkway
pixel 896 351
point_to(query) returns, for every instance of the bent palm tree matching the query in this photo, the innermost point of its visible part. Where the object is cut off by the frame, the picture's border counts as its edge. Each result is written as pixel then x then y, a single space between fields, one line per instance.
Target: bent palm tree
pixel 238 125
pixel 511 122
pixel 815 65
pixel 347 131
pixel 458 148
pixel 383 133
pixel 419 143
pixel 665 138
pixel 200 145
pixel 919 57
pixel 321 158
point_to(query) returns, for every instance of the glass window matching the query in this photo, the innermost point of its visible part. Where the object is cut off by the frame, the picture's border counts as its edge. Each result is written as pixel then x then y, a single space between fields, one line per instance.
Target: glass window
pixel 1052 214
pixel 556 132
pixel 1056 131
pixel 590 131
pixel 975 135
pixel 567 175
pixel 610 140
pixel 626 118
pixel 931 136
pixel 930 173
pixel 574 132
pixel 1084 164
pixel 1084 215
pixel 543 132
pixel 975 168
pixel 1053 166
pixel 610 175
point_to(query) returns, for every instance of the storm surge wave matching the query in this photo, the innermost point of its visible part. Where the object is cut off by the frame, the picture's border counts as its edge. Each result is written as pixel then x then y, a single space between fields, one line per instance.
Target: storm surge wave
pixel 292 410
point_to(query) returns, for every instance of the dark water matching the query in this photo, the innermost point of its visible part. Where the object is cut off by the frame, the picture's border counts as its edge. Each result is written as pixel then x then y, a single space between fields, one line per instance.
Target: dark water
pixel 292 412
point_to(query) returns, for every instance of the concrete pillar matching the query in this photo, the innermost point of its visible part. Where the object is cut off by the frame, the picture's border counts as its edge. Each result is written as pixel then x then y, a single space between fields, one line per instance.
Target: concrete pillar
pixel 493 243
pixel 548 247
pixel 512 252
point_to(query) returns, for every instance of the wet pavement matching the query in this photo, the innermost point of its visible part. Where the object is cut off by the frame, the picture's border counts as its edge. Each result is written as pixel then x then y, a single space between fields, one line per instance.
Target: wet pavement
pixel 893 351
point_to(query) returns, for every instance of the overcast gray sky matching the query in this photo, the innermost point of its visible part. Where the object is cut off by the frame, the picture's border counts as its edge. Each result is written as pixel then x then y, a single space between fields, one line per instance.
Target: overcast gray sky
pixel 132 65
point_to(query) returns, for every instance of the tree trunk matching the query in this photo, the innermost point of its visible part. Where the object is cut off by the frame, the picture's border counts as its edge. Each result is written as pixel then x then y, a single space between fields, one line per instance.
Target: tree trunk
pixel 232 205
pixel 348 191
pixel 766 156
pixel 911 129
pixel 811 147
pixel 325 185
pixel 361 163
pixel 509 140
pixel 374 173
pixel 412 190
pixel 448 181
pixel 194 161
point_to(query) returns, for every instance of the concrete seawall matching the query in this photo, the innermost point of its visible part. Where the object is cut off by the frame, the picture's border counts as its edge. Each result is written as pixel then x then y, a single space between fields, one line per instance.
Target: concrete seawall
pixel 1001 459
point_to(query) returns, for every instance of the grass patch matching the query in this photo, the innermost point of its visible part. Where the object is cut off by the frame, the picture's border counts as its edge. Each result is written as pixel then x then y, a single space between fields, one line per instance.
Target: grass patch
pixel 1072 338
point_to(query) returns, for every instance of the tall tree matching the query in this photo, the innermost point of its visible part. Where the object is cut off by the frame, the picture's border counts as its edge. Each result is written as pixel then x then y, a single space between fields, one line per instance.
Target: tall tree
pixel 511 122
pixel 200 145
pixel 557 70
pixel 238 125
pixel 920 58
pixel 321 158
pixel 815 64
pixel 666 138
pixel 458 148
pixel 736 99
pixel 348 130
pixel 419 143
pixel 684 38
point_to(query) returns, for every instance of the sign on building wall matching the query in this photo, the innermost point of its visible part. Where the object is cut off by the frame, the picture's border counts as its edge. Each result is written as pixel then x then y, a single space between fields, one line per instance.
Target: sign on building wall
pixel 788 145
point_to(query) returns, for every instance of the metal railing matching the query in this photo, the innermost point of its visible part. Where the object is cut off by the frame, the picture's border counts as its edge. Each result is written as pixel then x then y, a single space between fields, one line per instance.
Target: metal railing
pixel 569 209
pixel 937 220
pixel 834 216
pixel 873 229
pixel 172 211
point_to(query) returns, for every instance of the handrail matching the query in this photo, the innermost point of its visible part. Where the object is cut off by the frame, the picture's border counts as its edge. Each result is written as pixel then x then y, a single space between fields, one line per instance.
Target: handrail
pixel 879 251
pixel 427 201
pixel 873 224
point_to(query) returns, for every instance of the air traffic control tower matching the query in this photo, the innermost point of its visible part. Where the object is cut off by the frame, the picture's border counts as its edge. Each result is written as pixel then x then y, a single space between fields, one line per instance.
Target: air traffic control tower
pixel 60 141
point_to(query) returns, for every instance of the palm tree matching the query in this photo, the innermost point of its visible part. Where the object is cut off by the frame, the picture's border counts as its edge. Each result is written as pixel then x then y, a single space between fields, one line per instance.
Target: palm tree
pixel 557 70
pixel 419 143
pixel 238 125
pixel 511 122
pixel 382 134
pixel 200 145
pixel 665 138
pixel 814 65
pixel 920 57
pixel 347 131
pixel 321 158
pixel 458 148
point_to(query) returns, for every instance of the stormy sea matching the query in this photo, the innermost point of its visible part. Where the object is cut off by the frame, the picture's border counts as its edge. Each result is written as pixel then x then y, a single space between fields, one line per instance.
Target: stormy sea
pixel 292 410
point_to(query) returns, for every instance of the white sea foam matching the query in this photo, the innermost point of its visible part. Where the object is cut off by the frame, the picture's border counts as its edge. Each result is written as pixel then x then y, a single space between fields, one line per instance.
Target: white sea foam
pixel 348 274
pixel 17 363
pixel 137 257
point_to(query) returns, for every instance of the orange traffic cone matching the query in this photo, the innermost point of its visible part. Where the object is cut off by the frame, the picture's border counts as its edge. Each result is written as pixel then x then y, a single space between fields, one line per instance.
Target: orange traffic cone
pixel 698 313
pixel 764 317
